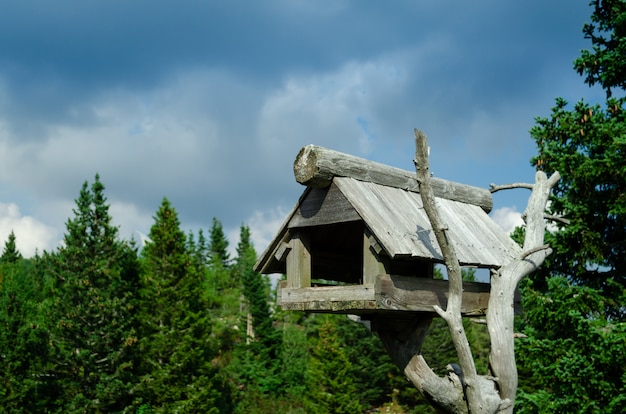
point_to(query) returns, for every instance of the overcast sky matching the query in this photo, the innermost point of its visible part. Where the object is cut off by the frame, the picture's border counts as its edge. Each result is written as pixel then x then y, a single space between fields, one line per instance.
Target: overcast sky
pixel 208 102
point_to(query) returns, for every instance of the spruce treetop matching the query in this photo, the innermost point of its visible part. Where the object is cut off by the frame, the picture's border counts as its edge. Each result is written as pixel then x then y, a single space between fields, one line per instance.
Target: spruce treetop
pixel 218 246
pixel 10 254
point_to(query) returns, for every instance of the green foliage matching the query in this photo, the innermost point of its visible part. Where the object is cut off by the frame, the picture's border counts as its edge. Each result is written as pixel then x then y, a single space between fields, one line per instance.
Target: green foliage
pixel 605 64
pixel 218 246
pixel 378 380
pixel 260 355
pixel 295 357
pixel 223 282
pixel 587 146
pixel 255 289
pixel 176 327
pixel 10 254
pixel 91 309
pixel 573 358
pixel 24 337
pixel 330 387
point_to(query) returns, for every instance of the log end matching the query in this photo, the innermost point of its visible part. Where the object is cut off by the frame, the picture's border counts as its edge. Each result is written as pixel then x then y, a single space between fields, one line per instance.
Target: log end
pixel 306 169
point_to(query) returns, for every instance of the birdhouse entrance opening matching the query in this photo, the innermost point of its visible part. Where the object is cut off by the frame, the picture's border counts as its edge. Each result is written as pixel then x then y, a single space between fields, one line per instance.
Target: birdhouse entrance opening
pixel 337 254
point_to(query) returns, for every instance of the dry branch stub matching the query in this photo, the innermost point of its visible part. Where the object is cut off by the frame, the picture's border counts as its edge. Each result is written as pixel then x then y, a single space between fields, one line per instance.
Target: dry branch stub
pixel 317 166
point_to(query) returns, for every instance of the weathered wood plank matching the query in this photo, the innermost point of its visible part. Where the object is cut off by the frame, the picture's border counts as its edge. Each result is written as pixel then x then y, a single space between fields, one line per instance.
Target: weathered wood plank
pixel 398 221
pixel 404 293
pixel 317 166
pixel 299 262
pixel 372 266
pixel 328 298
pixel 390 293
pixel 282 251
pixel 322 206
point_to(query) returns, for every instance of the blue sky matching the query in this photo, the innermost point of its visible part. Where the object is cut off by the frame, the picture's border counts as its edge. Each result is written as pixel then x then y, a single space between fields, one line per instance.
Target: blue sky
pixel 208 102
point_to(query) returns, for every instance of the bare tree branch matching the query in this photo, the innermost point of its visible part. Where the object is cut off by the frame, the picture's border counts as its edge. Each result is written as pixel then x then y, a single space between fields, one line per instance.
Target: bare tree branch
pixel 495 188
pixel 556 218
pixel 452 314
pixel 534 250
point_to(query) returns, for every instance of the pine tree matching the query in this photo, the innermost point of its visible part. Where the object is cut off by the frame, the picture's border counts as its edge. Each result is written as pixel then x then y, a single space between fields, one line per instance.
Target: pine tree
pixel 330 387
pixel 264 344
pixel 218 246
pixel 201 248
pixel 10 254
pixel 573 358
pixel 197 248
pixel 255 287
pixel 93 332
pixel 24 340
pixel 177 346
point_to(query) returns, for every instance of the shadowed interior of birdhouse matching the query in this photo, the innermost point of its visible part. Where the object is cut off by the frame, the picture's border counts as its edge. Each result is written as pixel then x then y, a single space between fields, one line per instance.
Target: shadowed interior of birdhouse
pixel 337 256
pixel 337 253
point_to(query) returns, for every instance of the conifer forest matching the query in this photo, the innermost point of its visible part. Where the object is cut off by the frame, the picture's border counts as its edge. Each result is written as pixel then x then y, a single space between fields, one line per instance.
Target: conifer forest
pixel 102 325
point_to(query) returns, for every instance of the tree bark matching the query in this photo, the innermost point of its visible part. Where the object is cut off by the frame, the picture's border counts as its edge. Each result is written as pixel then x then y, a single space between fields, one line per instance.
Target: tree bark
pixel 480 394
pixel 452 314
pixel 500 315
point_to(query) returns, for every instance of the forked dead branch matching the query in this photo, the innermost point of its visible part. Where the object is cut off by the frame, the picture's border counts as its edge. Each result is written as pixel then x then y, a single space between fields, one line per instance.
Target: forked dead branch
pixel 496 392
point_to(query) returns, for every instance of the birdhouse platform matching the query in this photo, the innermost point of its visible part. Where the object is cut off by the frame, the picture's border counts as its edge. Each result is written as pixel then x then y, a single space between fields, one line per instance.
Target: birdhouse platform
pixel 358 240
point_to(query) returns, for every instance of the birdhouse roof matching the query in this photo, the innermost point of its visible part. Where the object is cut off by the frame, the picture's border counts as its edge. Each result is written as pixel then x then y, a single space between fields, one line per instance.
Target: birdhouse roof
pixel 397 220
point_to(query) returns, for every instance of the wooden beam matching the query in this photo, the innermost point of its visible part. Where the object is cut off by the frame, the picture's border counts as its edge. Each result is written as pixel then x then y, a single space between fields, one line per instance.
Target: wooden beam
pixel 299 261
pixel 317 166
pixel 323 206
pixel 344 299
pixel 372 267
pixel 282 251
pixel 390 294
pixel 405 293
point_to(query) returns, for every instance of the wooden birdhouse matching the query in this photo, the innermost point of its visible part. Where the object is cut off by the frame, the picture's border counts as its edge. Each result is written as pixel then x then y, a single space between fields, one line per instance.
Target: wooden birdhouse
pixel 358 240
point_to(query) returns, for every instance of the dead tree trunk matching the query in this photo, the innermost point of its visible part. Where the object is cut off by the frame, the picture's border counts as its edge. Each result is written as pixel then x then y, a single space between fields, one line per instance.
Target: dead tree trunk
pixel 500 316
pixel 464 390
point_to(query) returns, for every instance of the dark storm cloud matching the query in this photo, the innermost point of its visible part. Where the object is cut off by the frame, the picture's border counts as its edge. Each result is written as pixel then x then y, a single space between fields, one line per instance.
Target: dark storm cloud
pixel 133 43
pixel 56 56
pixel 208 102
pixel 68 49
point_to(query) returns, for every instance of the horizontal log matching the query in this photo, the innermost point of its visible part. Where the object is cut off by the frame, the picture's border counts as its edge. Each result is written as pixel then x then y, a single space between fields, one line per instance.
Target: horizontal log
pixel 317 166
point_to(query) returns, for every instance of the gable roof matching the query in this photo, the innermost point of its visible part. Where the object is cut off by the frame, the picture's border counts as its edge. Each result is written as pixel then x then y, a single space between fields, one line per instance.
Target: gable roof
pixel 396 218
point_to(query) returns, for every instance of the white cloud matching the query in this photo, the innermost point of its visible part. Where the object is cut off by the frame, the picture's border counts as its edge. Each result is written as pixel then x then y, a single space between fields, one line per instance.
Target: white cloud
pixel 508 218
pixel 263 228
pixel 31 235
pixel 132 222
pixel 264 225
pixel 337 109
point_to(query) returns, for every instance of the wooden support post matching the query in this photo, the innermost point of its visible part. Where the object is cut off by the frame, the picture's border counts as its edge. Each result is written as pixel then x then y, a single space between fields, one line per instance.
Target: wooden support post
pixel 371 265
pixel 403 337
pixel 299 262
